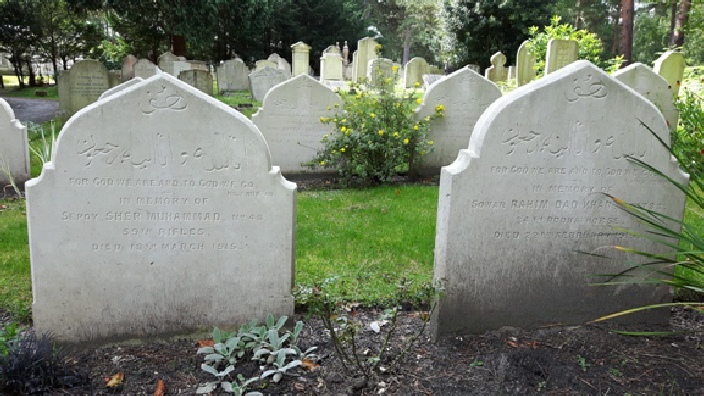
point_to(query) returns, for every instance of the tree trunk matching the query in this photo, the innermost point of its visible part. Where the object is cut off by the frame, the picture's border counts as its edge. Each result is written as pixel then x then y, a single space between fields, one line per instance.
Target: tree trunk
pixel 627 7
pixel 615 41
pixel 673 18
pixel 680 23
pixel 32 76
pixel 407 39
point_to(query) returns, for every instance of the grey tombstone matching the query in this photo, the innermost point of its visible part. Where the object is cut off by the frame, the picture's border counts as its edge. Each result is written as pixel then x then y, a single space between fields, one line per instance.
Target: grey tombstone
pixel 166 63
pixel 128 68
pixel 379 68
pixel 144 68
pixel 199 79
pixel 653 87
pixel 159 200
pixel 430 79
pixel 525 65
pixel 87 80
pixel 261 81
pixel 331 67
pixel 414 71
pixel 474 67
pixel 497 72
pixel 14 148
pixel 465 95
pixel 63 82
pixel 289 119
pixel 560 53
pixel 233 75
pixel 670 66
pixel 519 206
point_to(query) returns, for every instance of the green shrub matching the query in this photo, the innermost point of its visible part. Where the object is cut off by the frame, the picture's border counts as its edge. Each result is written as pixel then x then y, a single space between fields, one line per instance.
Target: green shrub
pixel 589 44
pixel 688 140
pixel 376 133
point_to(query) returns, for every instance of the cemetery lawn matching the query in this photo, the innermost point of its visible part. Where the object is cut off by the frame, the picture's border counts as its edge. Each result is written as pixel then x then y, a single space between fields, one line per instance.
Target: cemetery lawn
pixel 12 89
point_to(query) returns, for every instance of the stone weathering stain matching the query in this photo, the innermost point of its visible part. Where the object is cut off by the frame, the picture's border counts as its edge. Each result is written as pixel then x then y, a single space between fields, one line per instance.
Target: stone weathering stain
pixel 527 195
pixel 161 213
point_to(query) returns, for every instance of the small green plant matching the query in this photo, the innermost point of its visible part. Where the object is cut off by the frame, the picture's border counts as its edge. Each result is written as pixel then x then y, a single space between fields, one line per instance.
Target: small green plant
pixel 276 352
pixel 8 335
pixel 376 134
pixel 341 321
pixel 5 169
pixel 582 363
pixel 688 140
pixel 46 151
pixel 615 372
pixel 476 363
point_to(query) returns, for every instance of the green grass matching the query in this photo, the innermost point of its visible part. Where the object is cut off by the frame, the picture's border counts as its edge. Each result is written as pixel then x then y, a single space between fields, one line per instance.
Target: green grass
pixel 12 89
pixel 240 97
pixel 15 280
pixel 694 216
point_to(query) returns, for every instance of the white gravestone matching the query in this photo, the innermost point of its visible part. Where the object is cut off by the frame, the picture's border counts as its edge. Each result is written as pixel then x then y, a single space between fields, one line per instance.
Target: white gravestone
pixel 465 95
pixel 497 72
pixel 414 71
pixel 233 75
pixel 261 81
pixel 200 79
pixel 521 202
pixel 525 65
pixel 290 121
pixel 144 68
pixel 14 148
pixel 300 53
pixel 653 87
pixel 560 53
pixel 670 66
pixel 331 67
pixel 87 80
pixel 161 213
pixel 366 51
pixel 166 63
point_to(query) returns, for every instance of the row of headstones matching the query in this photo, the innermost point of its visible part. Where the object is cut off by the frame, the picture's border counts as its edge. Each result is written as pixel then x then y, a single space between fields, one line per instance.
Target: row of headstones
pixel 561 53
pixel 164 191
pixel 464 94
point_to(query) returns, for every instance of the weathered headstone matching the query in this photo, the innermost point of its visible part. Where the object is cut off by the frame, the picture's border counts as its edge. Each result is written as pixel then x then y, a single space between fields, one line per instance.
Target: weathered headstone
pixel 159 198
pixel 63 81
pixel 233 75
pixel 333 49
pixel 379 68
pixel 128 68
pixel 281 64
pixel 87 80
pixel 429 79
pixel 114 77
pixel 653 87
pixel 474 67
pixel 289 119
pixel 331 67
pixel 414 71
pixel 300 58
pixel 199 79
pixel 519 206
pixel 120 87
pixel 670 66
pixel 14 148
pixel 525 65
pixel 465 95
pixel 366 51
pixel 261 81
pixel 560 53
pixel 264 63
pixel 497 72
pixel 166 63
pixel 144 68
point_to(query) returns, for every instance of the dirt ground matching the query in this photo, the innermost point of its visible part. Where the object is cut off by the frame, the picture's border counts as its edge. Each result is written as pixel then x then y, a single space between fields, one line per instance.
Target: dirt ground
pixel 578 360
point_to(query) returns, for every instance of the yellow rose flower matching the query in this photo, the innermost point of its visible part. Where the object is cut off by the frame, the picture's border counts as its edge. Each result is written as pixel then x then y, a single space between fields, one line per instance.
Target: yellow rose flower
pixel 415 127
pixel 416 84
pixel 430 142
pixel 381 132
pixel 342 150
pixel 427 118
pixel 395 134
pixel 322 162
pixel 344 120
pixel 405 141
pixel 439 108
pixel 419 100
pixel 394 68
pixel 343 128
pixel 372 115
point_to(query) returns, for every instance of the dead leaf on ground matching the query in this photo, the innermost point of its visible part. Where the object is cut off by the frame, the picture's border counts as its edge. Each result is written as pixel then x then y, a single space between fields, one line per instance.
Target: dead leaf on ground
pixel 309 364
pixel 205 343
pixel 115 380
pixel 159 391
